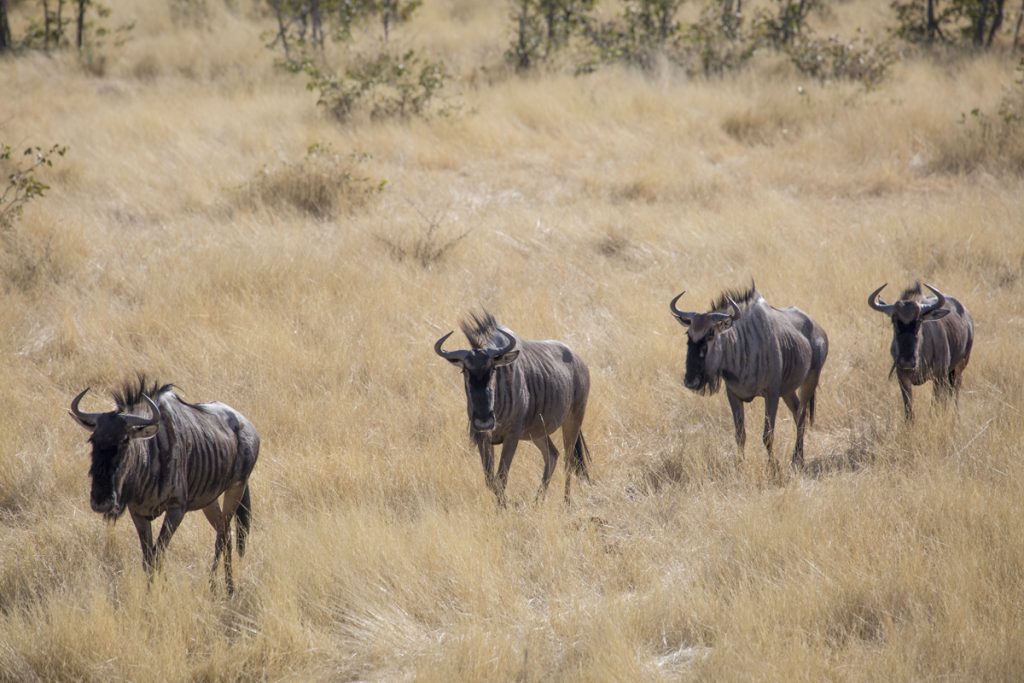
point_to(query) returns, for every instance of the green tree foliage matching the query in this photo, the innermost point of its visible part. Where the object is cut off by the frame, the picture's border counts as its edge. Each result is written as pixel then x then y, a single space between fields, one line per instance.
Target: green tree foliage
pixel 542 27
pixel 6 42
pixel 953 22
pixel 645 30
pixel 304 25
pixel 786 21
pixel 387 82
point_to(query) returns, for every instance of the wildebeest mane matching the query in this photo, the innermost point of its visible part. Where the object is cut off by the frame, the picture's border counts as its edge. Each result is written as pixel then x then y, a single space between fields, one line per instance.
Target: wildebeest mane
pixel 912 293
pixel 130 394
pixel 743 298
pixel 481 329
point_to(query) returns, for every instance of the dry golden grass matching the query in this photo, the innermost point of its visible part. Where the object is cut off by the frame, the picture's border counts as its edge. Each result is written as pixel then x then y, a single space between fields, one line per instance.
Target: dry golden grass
pixel 377 553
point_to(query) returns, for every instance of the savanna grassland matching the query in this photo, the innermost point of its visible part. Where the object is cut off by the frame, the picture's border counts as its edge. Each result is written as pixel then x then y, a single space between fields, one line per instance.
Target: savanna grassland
pixel 189 234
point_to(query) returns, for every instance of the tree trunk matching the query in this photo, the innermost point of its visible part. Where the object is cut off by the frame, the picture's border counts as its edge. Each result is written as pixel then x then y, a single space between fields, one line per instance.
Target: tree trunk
pixel 80 23
pixel 1016 31
pixel 932 28
pixel 59 32
pixel 5 28
pixel 997 22
pixel 979 23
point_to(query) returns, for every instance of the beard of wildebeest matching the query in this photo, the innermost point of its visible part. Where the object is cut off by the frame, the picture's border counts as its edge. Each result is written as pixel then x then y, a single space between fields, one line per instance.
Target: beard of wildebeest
pixel 908 341
pixel 479 394
pixel 107 456
pixel 701 376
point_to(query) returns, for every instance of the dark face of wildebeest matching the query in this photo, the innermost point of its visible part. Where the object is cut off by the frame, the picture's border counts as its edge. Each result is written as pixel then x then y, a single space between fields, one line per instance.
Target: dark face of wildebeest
pixel 908 315
pixel 702 353
pixel 110 435
pixel 478 366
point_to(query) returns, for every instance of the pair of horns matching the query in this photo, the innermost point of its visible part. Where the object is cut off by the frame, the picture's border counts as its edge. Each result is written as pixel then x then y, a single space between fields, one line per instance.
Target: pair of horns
pixel 875 302
pixel 89 419
pixel 686 317
pixel 457 356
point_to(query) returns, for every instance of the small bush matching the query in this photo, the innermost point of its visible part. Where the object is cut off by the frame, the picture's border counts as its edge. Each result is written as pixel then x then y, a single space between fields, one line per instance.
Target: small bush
pixel 426 247
pixel 321 185
pixel 718 42
pixel 646 30
pixel 22 263
pixel 993 141
pixel 386 85
pixel 834 59
pixel 23 185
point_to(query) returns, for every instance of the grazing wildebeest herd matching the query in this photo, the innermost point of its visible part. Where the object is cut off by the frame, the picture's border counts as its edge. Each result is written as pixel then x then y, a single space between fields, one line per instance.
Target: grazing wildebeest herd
pixel 156 454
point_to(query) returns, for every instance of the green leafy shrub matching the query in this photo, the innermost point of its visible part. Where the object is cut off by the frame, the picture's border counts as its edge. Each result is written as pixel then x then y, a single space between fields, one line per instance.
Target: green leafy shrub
pixel 21 262
pixel 23 184
pixel 719 41
pixel 831 58
pixel 646 30
pixel 388 84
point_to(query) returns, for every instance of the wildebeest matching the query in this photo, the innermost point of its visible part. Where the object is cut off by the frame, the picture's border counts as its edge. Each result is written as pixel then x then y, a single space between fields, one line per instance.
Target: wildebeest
pixel 518 389
pixel 931 340
pixel 180 458
pixel 759 350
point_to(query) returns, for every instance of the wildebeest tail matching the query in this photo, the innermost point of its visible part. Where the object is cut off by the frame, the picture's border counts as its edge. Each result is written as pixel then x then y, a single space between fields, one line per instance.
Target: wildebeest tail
pixel 579 460
pixel 243 517
pixel 810 411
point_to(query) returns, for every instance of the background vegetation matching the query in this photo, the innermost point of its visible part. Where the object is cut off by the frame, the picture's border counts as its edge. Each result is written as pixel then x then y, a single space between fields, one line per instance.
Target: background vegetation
pixel 204 220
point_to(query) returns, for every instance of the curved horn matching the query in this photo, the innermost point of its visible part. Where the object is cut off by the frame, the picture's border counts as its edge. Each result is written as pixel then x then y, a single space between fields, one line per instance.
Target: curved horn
pixel 137 421
pixel 735 308
pixel 879 305
pixel 497 353
pixel 453 356
pixel 939 303
pixel 87 420
pixel 685 317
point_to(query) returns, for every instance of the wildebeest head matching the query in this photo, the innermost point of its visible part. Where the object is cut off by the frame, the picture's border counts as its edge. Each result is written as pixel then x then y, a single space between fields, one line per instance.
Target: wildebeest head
pixel 908 314
pixel 478 366
pixel 703 356
pixel 111 435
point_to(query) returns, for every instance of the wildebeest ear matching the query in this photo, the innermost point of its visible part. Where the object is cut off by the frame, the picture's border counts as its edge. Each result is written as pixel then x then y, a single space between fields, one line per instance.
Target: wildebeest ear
pixel 936 314
pixel 144 431
pixel 506 358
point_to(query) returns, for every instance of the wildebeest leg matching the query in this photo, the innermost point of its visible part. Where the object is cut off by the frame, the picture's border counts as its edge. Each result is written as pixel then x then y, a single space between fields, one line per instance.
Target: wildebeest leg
pixel 232 497
pixel 956 378
pixel 508 451
pixel 487 460
pixel 171 521
pixel 145 529
pixel 771 408
pixel 906 390
pixel 799 411
pixel 943 388
pixel 216 520
pixel 736 405
pixel 550 453
pixel 570 435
